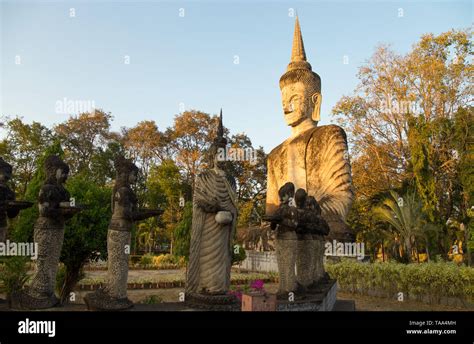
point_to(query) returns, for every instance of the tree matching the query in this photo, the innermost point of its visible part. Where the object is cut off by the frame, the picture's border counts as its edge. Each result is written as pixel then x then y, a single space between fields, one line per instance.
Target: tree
pixel 83 137
pixel 23 147
pixel 192 135
pixel 85 236
pixel 145 144
pixel 405 216
pixel 183 232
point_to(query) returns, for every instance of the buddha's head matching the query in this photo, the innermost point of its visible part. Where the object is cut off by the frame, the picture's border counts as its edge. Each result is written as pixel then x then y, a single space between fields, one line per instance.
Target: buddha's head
pixel 300 86
pixel 56 170
pixel 5 171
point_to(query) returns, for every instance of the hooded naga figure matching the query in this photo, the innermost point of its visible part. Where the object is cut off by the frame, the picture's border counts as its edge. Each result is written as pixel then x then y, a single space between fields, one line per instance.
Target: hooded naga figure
pixel 124 213
pixel 213 228
pixel 54 209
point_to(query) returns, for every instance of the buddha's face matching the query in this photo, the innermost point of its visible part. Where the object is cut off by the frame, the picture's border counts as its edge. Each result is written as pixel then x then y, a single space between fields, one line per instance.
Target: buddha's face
pixel 298 103
pixel 61 175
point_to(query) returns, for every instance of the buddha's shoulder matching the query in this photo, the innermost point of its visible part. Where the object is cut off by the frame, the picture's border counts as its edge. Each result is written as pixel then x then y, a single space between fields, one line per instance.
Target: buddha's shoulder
pixel 320 135
pixel 330 131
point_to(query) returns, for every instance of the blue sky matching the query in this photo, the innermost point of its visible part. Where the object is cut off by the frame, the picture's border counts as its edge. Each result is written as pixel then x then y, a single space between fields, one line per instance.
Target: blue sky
pixel 190 60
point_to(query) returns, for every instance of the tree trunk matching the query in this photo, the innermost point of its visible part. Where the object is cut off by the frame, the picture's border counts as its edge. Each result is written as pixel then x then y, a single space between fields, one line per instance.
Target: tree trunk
pixel 70 280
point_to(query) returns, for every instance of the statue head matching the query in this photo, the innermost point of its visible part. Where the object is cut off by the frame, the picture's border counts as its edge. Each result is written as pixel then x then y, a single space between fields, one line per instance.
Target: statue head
pixel 300 86
pixel 286 192
pixel 5 171
pixel 126 171
pixel 300 198
pixel 218 147
pixel 56 170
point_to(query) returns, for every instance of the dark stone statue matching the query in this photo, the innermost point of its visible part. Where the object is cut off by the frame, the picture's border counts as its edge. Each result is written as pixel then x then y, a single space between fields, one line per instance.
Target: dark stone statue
pixel 54 209
pixel 124 213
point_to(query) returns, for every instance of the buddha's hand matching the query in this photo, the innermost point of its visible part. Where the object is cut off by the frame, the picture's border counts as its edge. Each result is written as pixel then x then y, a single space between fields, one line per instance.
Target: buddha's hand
pixel 224 217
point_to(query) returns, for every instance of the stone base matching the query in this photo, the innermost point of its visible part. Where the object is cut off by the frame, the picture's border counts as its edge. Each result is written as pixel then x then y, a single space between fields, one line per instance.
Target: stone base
pixel 102 301
pixel 210 302
pixel 314 302
pixel 21 300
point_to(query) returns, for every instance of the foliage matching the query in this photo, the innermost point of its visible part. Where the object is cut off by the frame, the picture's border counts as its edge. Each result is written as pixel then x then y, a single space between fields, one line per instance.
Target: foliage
pixel 432 280
pixel 238 254
pixel 14 274
pixel 183 232
pixel 85 236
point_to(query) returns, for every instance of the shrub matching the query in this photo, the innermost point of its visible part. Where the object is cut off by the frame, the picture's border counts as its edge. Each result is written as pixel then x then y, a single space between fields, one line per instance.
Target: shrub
pixel 238 254
pixel 433 280
pixel 146 260
pixel 13 275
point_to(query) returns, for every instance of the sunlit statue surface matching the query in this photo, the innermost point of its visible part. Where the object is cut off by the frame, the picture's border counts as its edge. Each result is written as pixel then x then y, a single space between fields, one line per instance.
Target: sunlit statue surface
pixel 314 158
pixel 213 228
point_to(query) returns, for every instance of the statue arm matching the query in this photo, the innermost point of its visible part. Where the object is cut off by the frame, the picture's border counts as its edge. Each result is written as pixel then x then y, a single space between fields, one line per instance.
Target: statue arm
pixel 48 203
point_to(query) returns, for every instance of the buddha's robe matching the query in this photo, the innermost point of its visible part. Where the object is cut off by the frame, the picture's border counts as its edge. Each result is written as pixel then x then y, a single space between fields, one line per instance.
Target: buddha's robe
pixel 317 161
pixel 210 256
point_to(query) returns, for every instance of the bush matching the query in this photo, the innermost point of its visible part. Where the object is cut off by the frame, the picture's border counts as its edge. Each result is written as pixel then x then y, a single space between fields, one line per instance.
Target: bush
pixel 146 260
pixel 238 254
pixel 13 275
pixel 433 280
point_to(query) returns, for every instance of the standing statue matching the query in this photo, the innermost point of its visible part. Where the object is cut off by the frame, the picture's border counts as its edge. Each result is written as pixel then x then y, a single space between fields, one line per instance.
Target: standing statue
pixel 54 209
pixel 124 214
pixel 213 227
pixel 9 208
pixel 313 158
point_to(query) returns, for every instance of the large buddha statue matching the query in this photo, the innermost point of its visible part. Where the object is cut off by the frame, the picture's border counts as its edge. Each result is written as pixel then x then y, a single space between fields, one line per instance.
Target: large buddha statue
pixel 314 158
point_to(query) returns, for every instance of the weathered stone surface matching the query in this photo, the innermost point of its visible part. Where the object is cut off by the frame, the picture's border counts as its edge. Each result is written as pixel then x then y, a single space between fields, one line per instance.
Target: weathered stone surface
pixel 213 225
pixel 313 158
pixel 323 301
pixel 54 210
pixel 124 213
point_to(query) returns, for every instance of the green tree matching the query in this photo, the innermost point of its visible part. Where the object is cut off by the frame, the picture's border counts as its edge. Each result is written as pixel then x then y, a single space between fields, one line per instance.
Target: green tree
pixel 85 236
pixel 183 232
pixel 405 216
pixel 23 147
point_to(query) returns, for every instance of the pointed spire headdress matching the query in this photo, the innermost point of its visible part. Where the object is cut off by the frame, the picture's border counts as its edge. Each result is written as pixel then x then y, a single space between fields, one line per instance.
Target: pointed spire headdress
pixel 299 69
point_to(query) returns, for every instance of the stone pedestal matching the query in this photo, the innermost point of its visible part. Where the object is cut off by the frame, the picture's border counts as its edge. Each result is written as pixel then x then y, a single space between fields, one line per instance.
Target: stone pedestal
pixel 258 302
pixel 224 302
pixel 319 302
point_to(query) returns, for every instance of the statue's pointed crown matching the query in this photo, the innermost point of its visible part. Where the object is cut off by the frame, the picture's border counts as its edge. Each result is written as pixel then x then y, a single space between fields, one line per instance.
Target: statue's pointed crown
pixel 220 140
pixel 298 54
pixel 299 70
